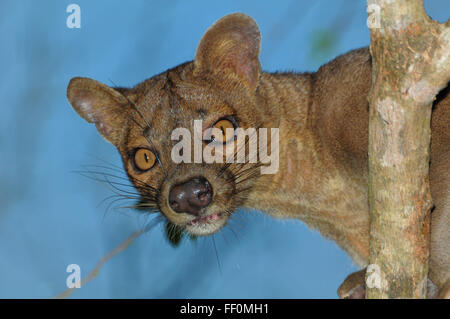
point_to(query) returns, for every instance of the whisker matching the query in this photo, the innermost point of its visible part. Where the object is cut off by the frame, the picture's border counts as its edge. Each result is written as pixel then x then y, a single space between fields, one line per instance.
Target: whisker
pixel 114 169
pixel 230 228
pixel 106 162
pixel 217 255
pixel 113 202
pixel 91 174
pixel 141 183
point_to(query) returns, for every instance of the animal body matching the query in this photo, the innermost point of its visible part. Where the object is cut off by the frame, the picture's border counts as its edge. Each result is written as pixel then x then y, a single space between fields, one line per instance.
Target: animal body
pixel 322 117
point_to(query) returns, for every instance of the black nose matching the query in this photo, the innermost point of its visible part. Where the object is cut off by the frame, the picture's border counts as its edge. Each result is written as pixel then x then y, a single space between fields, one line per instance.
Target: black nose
pixel 190 197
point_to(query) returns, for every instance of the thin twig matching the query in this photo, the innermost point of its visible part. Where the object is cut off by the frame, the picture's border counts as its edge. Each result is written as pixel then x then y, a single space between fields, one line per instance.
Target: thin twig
pixel 124 245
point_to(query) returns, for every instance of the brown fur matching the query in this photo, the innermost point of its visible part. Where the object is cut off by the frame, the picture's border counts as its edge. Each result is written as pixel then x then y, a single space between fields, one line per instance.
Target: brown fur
pixel 323 122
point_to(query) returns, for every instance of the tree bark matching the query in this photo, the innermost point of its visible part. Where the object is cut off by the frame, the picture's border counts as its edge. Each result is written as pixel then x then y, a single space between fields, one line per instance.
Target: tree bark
pixel 411 64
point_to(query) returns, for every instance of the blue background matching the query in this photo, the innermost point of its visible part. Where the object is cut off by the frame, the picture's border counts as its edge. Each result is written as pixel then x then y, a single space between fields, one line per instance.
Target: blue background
pixel 51 217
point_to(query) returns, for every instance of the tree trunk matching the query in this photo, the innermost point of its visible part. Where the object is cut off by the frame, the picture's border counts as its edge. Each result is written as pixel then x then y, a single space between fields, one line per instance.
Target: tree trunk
pixel 411 64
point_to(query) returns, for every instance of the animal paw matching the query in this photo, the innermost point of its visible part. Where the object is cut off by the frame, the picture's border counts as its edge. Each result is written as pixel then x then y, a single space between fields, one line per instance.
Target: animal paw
pixel 354 286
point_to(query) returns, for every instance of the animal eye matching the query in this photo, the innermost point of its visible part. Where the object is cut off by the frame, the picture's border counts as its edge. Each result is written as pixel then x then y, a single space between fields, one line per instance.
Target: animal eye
pixel 144 159
pixel 226 135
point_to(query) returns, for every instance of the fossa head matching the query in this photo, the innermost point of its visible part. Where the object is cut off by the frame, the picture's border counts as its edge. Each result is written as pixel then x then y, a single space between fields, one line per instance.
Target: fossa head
pixel 218 87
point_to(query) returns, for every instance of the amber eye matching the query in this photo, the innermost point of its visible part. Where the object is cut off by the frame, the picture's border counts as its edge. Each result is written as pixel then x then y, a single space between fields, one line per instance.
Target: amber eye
pixel 226 135
pixel 144 159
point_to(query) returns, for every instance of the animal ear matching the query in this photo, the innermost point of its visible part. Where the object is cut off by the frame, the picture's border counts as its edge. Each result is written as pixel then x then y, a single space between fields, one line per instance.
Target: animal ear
pixel 230 48
pixel 98 103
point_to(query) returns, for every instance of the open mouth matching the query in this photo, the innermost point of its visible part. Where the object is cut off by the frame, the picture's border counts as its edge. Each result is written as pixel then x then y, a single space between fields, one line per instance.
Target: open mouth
pixel 205 219
pixel 207 225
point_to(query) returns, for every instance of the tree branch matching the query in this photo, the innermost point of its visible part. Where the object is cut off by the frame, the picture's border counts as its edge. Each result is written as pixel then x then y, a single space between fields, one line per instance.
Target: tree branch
pixel 411 64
